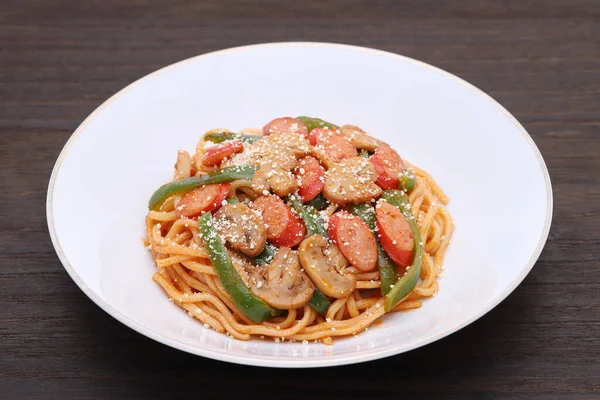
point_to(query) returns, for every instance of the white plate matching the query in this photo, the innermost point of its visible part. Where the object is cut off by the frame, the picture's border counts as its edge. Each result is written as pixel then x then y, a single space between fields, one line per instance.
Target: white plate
pixel 500 192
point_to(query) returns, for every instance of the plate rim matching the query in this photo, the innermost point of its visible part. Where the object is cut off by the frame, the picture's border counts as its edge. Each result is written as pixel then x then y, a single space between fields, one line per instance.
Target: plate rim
pixel 301 362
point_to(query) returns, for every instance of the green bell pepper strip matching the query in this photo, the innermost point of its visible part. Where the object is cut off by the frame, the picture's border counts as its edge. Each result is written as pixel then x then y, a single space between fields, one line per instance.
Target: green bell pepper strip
pixel 267 255
pixel 223 136
pixel 312 123
pixel 233 200
pixel 387 268
pixel 314 226
pixel 310 216
pixel 185 185
pixel 319 302
pixel 319 202
pixel 252 306
pixel 409 280
pixel 407 181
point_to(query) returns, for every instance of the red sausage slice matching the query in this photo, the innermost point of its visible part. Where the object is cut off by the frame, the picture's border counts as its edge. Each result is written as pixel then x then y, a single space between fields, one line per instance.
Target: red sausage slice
pixel 284 228
pixel 354 239
pixel 202 199
pixel 388 166
pixel 214 155
pixel 285 125
pixel 311 178
pixel 395 234
pixel 334 143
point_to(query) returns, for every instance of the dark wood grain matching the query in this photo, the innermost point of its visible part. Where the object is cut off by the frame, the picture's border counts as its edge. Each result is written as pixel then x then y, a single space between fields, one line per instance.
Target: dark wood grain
pixel 540 59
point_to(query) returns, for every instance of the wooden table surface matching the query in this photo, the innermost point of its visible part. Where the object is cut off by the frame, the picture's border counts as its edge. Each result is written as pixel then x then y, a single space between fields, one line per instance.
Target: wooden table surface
pixel 540 59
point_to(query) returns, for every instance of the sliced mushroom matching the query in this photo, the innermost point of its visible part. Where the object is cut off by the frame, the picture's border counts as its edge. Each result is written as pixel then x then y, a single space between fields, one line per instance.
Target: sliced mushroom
pixel 320 155
pixel 292 142
pixel 360 139
pixel 260 182
pixel 325 266
pixel 282 284
pixel 276 174
pixel 283 182
pixel 242 228
pixel 280 180
pixel 183 166
pixel 351 181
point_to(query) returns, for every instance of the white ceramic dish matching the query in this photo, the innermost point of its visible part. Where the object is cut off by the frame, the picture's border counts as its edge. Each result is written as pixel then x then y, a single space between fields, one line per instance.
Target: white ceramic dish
pixel 481 156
